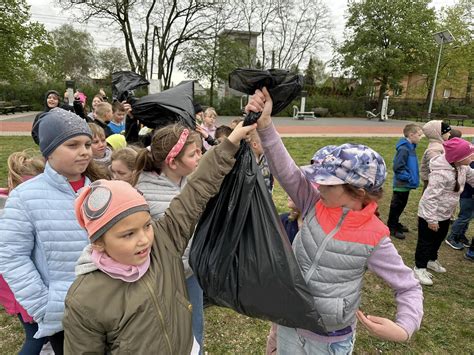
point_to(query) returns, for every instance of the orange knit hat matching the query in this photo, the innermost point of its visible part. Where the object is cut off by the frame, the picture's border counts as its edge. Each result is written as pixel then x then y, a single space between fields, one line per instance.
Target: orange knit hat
pixel 103 203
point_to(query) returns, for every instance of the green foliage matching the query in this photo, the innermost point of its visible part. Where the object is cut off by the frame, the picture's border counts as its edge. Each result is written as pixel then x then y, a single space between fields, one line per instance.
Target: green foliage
pixel 387 39
pixel 19 38
pixel 111 60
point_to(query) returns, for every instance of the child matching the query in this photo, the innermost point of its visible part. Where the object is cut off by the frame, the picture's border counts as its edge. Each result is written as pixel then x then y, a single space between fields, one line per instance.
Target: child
pixel 449 172
pixel 235 122
pixel 437 132
pixel 40 239
pixel 123 163
pixel 101 153
pixel 222 132
pixel 22 166
pixel 103 115
pixel 209 125
pixel 256 145
pixel 117 124
pixel 340 238
pixel 130 295
pixel 161 174
pixel 116 141
pixel 97 99
pixel 405 177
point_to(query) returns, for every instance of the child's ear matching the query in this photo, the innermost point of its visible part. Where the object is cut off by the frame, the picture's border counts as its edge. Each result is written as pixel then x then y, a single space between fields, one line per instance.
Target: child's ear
pixel 99 246
pixel 172 164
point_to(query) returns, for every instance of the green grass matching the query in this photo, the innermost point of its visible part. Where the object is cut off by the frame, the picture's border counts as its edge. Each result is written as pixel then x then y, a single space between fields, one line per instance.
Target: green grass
pixel 449 310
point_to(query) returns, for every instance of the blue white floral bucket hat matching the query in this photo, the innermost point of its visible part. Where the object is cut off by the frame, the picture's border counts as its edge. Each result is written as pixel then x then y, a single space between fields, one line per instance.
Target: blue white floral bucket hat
pixel 353 164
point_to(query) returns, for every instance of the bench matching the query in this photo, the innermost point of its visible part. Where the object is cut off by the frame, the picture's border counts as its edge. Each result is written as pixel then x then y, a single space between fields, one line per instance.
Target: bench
pixel 425 116
pixel 299 115
pixel 19 107
pixel 459 118
pixel 6 108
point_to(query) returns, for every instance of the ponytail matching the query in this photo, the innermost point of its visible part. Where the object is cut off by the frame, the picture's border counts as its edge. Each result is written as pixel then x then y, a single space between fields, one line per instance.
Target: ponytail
pixel 456 175
pixel 144 162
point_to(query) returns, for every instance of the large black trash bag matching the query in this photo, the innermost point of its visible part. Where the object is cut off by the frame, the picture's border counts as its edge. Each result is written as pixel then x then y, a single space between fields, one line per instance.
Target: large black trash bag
pixel 283 86
pixel 169 106
pixel 241 255
pixel 123 82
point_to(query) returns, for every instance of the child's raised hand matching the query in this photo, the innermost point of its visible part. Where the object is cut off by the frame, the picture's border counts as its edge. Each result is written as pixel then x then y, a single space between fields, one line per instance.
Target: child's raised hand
pixel 262 102
pixel 240 132
pixel 383 328
pixel 202 132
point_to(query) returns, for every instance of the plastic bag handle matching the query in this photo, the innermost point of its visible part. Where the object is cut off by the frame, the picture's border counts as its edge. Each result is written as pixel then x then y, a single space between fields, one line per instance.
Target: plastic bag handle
pixel 251 118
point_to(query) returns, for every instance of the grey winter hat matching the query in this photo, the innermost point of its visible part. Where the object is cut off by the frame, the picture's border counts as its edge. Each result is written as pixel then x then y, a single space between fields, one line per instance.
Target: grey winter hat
pixel 57 126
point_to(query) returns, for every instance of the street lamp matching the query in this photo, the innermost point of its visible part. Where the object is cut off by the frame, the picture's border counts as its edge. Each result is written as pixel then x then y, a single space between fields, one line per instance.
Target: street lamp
pixel 443 37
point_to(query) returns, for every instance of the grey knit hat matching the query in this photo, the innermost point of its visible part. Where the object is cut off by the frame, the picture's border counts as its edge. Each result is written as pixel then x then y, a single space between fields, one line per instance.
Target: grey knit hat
pixel 57 126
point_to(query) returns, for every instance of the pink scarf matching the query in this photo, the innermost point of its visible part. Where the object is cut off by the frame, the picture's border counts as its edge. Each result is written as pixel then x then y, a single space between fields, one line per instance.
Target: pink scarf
pixel 116 270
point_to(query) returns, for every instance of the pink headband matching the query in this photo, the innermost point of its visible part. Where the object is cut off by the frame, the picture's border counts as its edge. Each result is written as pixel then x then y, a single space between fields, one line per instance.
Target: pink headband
pixel 178 146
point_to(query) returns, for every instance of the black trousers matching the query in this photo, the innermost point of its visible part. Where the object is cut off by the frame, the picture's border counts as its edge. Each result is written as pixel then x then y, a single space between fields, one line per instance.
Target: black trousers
pixel 429 242
pixel 397 205
pixel 57 343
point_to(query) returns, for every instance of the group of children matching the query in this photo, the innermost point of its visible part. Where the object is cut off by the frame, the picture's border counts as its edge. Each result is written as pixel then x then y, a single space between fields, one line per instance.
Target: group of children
pixel 447 180
pixel 95 247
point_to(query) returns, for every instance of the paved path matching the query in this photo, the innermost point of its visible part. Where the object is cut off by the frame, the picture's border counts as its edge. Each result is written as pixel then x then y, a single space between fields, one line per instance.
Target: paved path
pixel 20 124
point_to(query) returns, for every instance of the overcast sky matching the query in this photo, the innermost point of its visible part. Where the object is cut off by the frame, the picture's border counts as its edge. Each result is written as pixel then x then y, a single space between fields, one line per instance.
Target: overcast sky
pixel 51 15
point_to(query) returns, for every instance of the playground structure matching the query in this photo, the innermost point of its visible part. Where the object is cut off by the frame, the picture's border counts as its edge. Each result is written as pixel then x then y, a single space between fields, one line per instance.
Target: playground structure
pixel 301 114
pixel 382 115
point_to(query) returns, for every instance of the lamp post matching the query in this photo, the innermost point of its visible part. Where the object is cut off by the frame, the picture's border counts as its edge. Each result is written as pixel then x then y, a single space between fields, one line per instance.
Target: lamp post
pixel 443 37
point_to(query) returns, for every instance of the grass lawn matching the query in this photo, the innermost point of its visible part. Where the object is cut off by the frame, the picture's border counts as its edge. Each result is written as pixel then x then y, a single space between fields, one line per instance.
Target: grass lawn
pixel 449 309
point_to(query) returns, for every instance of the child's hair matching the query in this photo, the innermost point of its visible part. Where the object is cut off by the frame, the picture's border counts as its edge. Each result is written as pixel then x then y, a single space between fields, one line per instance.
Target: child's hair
pixel 23 164
pixel 210 111
pixel 361 194
pixel 253 137
pixel 127 155
pixel 411 128
pixel 223 131
pixel 118 107
pixel 456 175
pixel 96 171
pixel 152 158
pixel 236 121
pixel 455 133
pixel 102 108
pixel 97 131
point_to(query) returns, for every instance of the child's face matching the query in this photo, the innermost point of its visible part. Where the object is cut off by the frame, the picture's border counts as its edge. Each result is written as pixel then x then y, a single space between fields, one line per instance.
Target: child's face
pixel 257 148
pixel 415 137
pixel 95 102
pixel 465 161
pixel 446 136
pixel 333 196
pixel 188 161
pixel 72 157
pixel 108 116
pixel 119 116
pixel 52 100
pixel 129 241
pixel 210 120
pixel 98 146
pixel 120 171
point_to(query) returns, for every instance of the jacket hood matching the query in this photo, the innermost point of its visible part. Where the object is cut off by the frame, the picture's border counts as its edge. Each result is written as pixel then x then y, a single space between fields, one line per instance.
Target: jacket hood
pixel 150 177
pixel 405 142
pixel 432 131
pixel 84 264
pixel 440 163
pixel 46 108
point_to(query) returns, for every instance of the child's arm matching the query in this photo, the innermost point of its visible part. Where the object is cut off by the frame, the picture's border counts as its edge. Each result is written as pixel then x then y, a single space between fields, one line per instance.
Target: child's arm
pixel 470 176
pixel 282 166
pixel 80 335
pixel 186 208
pixel 387 264
pixel 17 241
pixel 400 167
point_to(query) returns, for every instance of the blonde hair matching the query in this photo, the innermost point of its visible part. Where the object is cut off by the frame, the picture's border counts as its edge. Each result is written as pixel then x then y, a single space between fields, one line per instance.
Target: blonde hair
pixel 20 164
pixel 162 142
pixel 97 131
pixel 102 108
pixel 210 111
pixel 127 156
pixel 411 128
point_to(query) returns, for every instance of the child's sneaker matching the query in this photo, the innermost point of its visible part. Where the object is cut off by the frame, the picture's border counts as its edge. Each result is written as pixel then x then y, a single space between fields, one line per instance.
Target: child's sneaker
pixel 397 234
pixel 402 228
pixel 454 244
pixel 469 255
pixel 423 276
pixel 435 266
pixel 465 241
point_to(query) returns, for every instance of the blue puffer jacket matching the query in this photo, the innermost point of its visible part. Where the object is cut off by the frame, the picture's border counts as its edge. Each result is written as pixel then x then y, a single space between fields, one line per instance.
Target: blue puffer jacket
pixel 40 242
pixel 405 165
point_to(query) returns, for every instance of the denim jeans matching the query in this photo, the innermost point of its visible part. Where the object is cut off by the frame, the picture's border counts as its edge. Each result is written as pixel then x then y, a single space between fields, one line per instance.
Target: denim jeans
pixel 196 299
pixel 459 227
pixel 31 346
pixel 289 342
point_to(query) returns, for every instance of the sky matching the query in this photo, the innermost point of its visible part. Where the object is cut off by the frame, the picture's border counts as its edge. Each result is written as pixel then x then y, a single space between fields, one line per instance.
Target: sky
pixel 51 15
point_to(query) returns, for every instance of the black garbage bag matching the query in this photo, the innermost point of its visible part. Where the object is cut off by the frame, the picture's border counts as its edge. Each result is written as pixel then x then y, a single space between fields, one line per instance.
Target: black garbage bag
pixel 241 255
pixel 123 82
pixel 283 86
pixel 169 106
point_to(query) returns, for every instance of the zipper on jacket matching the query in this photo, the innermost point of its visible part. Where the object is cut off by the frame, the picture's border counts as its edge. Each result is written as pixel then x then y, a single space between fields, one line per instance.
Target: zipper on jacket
pixel 150 289
pixel 322 247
